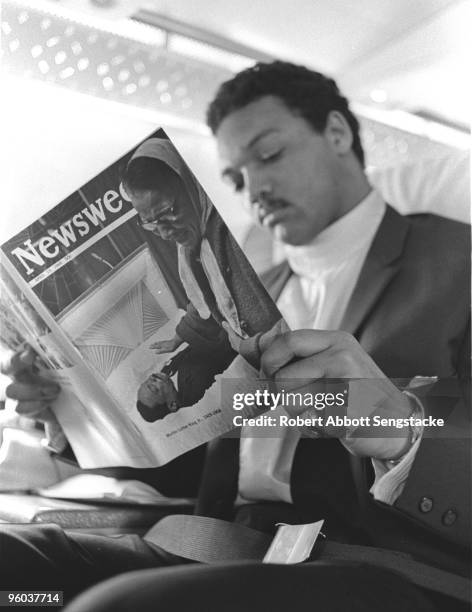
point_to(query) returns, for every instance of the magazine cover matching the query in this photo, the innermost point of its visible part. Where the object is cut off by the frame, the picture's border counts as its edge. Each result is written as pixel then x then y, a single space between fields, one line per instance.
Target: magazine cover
pixel 135 326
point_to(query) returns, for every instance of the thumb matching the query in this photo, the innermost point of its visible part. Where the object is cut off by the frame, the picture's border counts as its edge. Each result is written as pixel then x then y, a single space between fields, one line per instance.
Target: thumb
pixel 55 437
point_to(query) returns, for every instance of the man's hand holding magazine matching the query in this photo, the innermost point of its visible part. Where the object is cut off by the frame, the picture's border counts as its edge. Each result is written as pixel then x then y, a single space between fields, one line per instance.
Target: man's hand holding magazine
pixel 34 394
pixel 304 354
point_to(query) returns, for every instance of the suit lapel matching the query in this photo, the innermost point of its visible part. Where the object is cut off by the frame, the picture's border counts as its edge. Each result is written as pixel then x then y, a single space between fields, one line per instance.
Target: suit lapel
pixel 379 268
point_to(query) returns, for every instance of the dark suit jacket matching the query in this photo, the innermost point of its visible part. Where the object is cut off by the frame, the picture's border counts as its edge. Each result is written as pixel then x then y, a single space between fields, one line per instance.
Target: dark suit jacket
pixel 410 310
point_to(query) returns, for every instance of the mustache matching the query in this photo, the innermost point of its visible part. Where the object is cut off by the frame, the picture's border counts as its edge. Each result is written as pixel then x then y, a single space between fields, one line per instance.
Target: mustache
pixel 269 205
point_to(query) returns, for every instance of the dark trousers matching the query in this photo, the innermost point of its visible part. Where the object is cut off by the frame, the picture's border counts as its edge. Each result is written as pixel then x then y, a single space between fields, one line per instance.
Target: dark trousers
pixel 48 558
pixel 34 557
pixel 255 587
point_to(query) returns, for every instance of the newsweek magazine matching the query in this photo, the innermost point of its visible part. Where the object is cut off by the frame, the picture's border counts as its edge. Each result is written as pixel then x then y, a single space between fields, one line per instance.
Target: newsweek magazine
pixel 93 293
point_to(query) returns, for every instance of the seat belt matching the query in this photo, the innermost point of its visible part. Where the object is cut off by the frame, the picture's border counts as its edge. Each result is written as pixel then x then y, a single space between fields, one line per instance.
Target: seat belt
pixel 210 540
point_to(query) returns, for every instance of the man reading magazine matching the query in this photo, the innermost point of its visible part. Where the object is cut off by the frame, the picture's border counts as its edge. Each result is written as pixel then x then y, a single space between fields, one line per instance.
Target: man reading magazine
pixel 372 295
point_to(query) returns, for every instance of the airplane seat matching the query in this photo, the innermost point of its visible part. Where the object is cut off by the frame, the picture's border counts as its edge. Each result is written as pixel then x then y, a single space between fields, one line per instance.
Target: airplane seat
pixel 37 486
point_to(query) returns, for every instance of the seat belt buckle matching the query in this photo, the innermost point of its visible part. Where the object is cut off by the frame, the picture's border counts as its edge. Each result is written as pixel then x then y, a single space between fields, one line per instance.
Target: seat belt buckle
pixel 293 543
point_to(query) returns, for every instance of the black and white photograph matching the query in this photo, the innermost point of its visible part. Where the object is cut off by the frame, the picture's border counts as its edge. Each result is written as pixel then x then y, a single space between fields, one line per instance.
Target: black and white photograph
pixel 235 301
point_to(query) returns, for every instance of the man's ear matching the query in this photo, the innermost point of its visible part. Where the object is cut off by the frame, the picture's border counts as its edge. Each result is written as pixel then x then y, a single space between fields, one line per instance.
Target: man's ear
pixel 338 133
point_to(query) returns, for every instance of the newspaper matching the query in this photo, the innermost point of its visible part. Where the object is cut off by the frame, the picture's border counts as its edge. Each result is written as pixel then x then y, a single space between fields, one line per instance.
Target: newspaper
pixel 93 292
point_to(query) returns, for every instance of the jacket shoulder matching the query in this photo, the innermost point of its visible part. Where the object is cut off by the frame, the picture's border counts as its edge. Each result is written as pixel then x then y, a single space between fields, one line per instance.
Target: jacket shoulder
pixel 443 242
pixel 439 228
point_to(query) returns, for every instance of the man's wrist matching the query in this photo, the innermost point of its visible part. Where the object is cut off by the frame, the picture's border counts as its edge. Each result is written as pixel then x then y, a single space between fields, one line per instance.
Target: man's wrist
pixel 414 431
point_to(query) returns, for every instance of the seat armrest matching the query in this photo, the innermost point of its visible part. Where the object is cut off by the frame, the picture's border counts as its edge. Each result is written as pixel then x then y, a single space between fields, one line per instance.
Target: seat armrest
pixel 119 518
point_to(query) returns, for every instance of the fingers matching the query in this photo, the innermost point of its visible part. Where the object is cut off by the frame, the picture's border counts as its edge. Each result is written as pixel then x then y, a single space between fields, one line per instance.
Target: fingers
pixel 292 345
pixel 55 437
pixel 38 410
pixel 33 395
pixel 269 336
pixel 33 388
pixel 301 373
pixel 163 346
pixel 20 361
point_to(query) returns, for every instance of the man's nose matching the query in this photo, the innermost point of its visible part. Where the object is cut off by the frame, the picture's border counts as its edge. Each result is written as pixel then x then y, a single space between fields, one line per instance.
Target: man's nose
pixel 262 201
pixel 259 190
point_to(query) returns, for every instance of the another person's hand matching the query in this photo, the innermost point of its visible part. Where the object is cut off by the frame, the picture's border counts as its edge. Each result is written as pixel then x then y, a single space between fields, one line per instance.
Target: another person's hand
pixel 306 357
pixel 167 346
pixel 34 394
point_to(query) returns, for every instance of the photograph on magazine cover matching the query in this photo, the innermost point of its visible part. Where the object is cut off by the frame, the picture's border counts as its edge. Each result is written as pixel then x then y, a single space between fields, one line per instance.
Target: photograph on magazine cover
pixel 142 290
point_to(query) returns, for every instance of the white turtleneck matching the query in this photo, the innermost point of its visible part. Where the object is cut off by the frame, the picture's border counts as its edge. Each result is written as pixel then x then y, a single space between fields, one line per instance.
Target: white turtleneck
pixel 316 296
pixel 326 271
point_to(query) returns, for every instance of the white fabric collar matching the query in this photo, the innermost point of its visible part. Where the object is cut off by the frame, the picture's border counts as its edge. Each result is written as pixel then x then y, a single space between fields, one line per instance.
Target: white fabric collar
pixel 340 240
